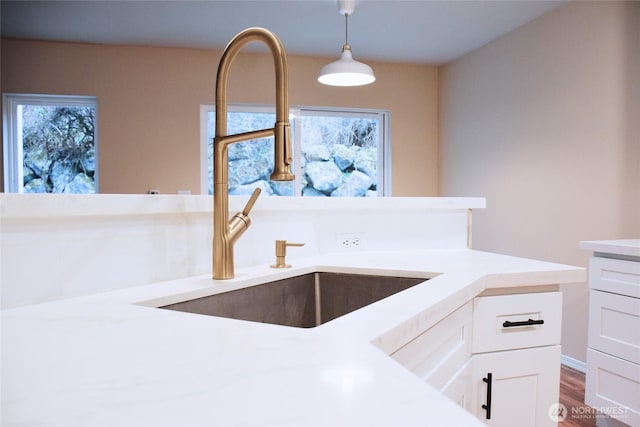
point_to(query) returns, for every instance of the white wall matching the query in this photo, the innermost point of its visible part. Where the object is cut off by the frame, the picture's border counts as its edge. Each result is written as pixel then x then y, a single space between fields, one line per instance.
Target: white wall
pixel 544 122
pixel 55 246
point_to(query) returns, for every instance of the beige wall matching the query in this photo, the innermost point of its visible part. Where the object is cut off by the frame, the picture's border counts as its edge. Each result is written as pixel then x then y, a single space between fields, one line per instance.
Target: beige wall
pixel 149 100
pixel 544 122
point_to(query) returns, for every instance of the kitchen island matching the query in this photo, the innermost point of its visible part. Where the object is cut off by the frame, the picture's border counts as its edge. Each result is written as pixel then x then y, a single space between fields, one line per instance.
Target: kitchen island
pixel 114 359
pixel 613 355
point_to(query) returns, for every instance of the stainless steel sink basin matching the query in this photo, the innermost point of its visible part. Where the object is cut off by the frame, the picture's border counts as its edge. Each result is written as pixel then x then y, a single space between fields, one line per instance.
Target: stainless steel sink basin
pixel 303 301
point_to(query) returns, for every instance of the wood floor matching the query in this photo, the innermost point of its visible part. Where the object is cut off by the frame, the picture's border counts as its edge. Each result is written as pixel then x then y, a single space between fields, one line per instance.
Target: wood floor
pixel 572 397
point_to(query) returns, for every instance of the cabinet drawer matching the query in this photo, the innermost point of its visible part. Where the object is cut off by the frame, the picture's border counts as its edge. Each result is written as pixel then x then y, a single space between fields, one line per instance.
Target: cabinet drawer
pixel 615 275
pixel 613 386
pixel 614 325
pixel 508 322
pixel 436 354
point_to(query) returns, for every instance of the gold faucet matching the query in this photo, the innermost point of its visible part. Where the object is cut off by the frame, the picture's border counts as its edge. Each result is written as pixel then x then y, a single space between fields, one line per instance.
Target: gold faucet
pixel 225 232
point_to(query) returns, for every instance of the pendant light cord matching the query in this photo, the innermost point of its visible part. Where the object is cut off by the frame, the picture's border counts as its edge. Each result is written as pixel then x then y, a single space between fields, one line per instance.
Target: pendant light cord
pixel 346 29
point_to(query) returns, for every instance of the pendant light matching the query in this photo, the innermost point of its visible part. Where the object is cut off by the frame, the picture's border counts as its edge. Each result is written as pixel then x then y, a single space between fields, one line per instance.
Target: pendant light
pixel 346 71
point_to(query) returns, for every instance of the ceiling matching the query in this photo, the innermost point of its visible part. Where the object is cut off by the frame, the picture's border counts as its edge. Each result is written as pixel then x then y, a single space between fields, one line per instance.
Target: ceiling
pixel 423 31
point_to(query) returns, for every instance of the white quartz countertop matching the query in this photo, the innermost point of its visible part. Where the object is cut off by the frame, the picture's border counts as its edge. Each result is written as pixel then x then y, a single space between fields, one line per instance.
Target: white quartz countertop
pixel 629 247
pixel 112 359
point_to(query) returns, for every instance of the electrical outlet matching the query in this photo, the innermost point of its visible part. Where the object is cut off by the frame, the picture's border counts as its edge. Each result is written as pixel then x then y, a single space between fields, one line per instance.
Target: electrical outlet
pixel 350 241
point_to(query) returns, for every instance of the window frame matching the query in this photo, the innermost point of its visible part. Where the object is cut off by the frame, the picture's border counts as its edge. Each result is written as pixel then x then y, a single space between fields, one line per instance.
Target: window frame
pixel 12 132
pixel 295 112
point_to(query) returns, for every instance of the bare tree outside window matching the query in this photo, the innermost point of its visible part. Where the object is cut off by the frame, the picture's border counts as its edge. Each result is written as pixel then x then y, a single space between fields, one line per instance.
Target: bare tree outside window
pixel 50 143
pixel 58 149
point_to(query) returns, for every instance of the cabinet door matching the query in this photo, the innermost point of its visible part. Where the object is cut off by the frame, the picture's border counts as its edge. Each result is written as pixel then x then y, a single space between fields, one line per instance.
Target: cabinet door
pixel 460 387
pixel 613 385
pixel 524 385
pixel 436 354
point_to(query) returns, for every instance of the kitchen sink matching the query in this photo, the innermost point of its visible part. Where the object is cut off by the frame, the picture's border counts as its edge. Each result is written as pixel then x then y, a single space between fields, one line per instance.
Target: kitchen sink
pixel 302 301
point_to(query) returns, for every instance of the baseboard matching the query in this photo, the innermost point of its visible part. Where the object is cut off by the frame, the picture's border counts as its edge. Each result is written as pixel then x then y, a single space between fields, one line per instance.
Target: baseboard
pixel 576 364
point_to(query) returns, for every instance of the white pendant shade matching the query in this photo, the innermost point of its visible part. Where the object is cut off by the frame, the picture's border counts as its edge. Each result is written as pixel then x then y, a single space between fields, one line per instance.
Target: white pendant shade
pixel 346 72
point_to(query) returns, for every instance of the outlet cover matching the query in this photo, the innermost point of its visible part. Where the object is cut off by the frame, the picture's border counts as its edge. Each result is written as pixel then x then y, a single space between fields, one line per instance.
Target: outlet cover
pixel 350 241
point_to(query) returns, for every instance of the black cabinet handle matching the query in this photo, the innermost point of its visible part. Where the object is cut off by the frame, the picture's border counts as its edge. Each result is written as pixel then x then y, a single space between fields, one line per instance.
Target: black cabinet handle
pixel 487 407
pixel 508 324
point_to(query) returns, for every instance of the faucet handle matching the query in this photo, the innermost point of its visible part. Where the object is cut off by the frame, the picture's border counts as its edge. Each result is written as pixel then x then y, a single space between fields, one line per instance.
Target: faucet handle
pixel 281 253
pixel 240 222
pixel 251 202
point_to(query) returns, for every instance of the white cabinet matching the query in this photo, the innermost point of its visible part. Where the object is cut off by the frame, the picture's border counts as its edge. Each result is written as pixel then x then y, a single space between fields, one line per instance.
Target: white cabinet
pixel 613 387
pixel 516 388
pixel 461 386
pixel 516 358
pixel 439 352
pixel 613 358
pixel 512 339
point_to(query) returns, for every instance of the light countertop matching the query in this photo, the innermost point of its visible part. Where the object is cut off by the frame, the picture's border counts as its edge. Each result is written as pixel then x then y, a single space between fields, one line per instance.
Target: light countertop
pixel 112 359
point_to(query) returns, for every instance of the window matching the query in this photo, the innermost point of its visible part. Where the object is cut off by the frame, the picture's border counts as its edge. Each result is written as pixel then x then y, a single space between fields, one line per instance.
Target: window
pixel 50 144
pixel 337 152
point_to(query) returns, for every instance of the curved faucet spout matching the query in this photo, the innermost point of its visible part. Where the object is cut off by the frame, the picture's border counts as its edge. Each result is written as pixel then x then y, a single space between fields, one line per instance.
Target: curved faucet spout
pixel 225 236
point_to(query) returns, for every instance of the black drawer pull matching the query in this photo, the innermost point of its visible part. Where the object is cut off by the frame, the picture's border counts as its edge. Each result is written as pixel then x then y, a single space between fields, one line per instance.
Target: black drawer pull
pixel 487 407
pixel 529 322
